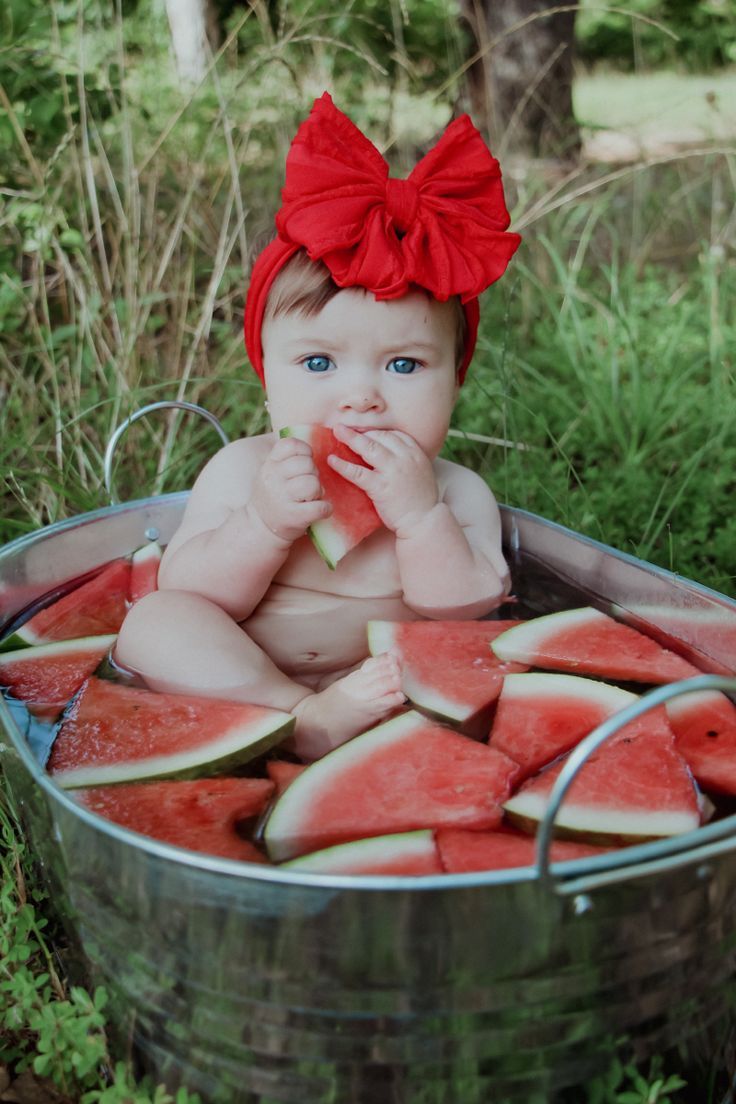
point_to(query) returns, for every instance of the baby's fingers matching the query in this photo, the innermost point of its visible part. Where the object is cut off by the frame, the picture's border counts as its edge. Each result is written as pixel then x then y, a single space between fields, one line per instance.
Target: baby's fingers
pixel 354 473
pixel 304 488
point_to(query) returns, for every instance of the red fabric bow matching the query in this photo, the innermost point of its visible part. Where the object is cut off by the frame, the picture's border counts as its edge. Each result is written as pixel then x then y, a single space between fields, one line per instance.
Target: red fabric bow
pixel 442 229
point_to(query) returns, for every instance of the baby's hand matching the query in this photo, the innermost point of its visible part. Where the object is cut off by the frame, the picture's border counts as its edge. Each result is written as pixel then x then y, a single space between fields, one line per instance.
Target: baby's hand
pixel 400 479
pixel 287 495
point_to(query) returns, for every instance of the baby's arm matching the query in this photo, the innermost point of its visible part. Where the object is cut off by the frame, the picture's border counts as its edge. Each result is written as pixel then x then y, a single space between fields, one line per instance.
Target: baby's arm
pixel 450 560
pixel 251 502
pixel 446 521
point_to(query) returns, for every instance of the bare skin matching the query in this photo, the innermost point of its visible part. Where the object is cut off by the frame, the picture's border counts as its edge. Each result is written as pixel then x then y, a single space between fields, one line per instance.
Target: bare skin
pixel 246 608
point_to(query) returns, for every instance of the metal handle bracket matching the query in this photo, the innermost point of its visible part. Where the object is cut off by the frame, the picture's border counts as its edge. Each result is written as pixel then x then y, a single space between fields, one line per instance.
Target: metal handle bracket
pixel 576 760
pixel 167 404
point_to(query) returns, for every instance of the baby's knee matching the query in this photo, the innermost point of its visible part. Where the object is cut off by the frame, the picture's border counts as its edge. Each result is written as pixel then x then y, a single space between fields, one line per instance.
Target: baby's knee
pixel 155 620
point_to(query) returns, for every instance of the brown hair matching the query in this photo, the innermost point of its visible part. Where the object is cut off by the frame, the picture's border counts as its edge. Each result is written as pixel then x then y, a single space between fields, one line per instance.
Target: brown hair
pixel 305 287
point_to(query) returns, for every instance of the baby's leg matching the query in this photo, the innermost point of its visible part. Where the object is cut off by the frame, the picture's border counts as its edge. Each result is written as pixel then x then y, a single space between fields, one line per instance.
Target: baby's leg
pixel 183 644
pixel 347 707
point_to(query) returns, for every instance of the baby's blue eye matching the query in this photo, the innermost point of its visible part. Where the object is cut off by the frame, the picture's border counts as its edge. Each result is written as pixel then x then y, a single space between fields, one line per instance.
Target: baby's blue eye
pixel 317 364
pixel 403 366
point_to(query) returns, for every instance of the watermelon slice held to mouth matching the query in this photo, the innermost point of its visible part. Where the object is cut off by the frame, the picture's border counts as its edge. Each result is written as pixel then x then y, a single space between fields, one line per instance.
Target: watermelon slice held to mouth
pixel 353 516
pixel 541 716
pixel 588 642
pixel 405 853
pixel 407 773
pixel 704 724
pixel 45 677
pixel 201 815
pixel 638 787
pixel 94 608
pixel 115 733
pixel 447 667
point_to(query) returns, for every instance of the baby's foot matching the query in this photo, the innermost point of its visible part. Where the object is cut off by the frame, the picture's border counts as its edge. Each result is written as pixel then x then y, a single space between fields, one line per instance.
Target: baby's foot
pixel 347 707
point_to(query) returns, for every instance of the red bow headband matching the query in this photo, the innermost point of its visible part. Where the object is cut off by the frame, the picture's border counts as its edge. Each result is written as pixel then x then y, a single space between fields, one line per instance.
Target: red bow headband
pixel 442 229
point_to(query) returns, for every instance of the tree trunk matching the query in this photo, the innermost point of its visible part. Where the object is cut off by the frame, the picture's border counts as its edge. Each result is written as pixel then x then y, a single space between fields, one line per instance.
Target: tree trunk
pixel 520 88
pixel 193 26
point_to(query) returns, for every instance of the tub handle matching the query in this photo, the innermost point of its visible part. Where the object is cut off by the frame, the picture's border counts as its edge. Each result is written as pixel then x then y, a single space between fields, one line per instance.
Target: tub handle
pixel 167 404
pixel 579 755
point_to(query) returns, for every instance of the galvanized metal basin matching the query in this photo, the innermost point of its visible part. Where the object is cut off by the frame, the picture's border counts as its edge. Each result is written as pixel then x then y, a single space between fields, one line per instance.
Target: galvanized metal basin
pixel 253 985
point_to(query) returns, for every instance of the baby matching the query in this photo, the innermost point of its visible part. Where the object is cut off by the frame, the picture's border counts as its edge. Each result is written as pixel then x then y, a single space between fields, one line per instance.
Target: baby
pixel 362 316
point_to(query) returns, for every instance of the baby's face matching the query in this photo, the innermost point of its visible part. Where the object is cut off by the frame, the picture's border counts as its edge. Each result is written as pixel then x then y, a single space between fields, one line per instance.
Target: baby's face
pixel 365 364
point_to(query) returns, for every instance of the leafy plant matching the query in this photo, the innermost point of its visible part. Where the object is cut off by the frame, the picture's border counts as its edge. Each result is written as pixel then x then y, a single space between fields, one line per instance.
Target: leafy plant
pixel 49 1029
pixel 702 33
pixel 625 1084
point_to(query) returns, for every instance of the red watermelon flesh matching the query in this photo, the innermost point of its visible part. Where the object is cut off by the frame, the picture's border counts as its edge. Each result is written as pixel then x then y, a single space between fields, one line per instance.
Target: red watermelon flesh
pixel 47 676
pixel 117 733
pixel 588 642
pixel 353 516
pixel 541 716
pixel 200 815
pixel 144 566
pixel 405 774
pixel 94 608
pixel 636 787
pixel 447 667
pixel 462 852
pixel 405 853
pixel 704 724
pixel 282 773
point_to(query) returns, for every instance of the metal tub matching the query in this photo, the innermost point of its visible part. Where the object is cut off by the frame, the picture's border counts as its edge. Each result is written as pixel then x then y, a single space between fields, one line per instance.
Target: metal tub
pixel 250 985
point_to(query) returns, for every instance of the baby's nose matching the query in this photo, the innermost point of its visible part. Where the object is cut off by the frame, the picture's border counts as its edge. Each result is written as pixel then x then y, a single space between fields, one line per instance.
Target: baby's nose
pixel 362 400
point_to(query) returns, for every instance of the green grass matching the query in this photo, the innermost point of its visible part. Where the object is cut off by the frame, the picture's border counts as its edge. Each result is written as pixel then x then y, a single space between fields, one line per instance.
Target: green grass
pixel 680 107
pixel 605 361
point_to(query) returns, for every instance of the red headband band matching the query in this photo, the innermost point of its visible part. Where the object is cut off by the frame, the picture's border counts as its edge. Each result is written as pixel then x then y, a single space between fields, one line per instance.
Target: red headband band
pixel 443 229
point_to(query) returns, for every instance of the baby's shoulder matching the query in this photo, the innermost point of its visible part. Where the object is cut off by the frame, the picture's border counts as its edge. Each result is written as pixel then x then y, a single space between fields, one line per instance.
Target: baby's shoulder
pixel 453 477
pixel 245 451
pixel 231 468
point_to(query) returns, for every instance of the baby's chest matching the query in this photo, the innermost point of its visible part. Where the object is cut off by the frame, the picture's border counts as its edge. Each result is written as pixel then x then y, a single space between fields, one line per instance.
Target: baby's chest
pixel 370 570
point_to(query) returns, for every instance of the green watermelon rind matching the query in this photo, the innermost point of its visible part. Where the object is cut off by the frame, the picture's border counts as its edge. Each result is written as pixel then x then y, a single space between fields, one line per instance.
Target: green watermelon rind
pixel 345 858
pixel 520 644
pixel 298 799
pixel 527 684
pixel 55 648
pixel 689 703
pixel 239 745
pixel 381 638
pixel 593 821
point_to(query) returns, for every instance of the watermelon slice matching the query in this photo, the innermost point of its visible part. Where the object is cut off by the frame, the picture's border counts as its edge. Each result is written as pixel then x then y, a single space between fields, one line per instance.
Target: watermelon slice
pixel 447 667
pixel 353 516
pixel 412 853
pixel 638 787
pixel 116 733
pixel 462 852
pixel 282 773
pixel 588 642
pixel 144 571
pixel 406 773
pixel 541 716
pixel 201 815
pixel 47 676
pixel 94 608
pixel 704 724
